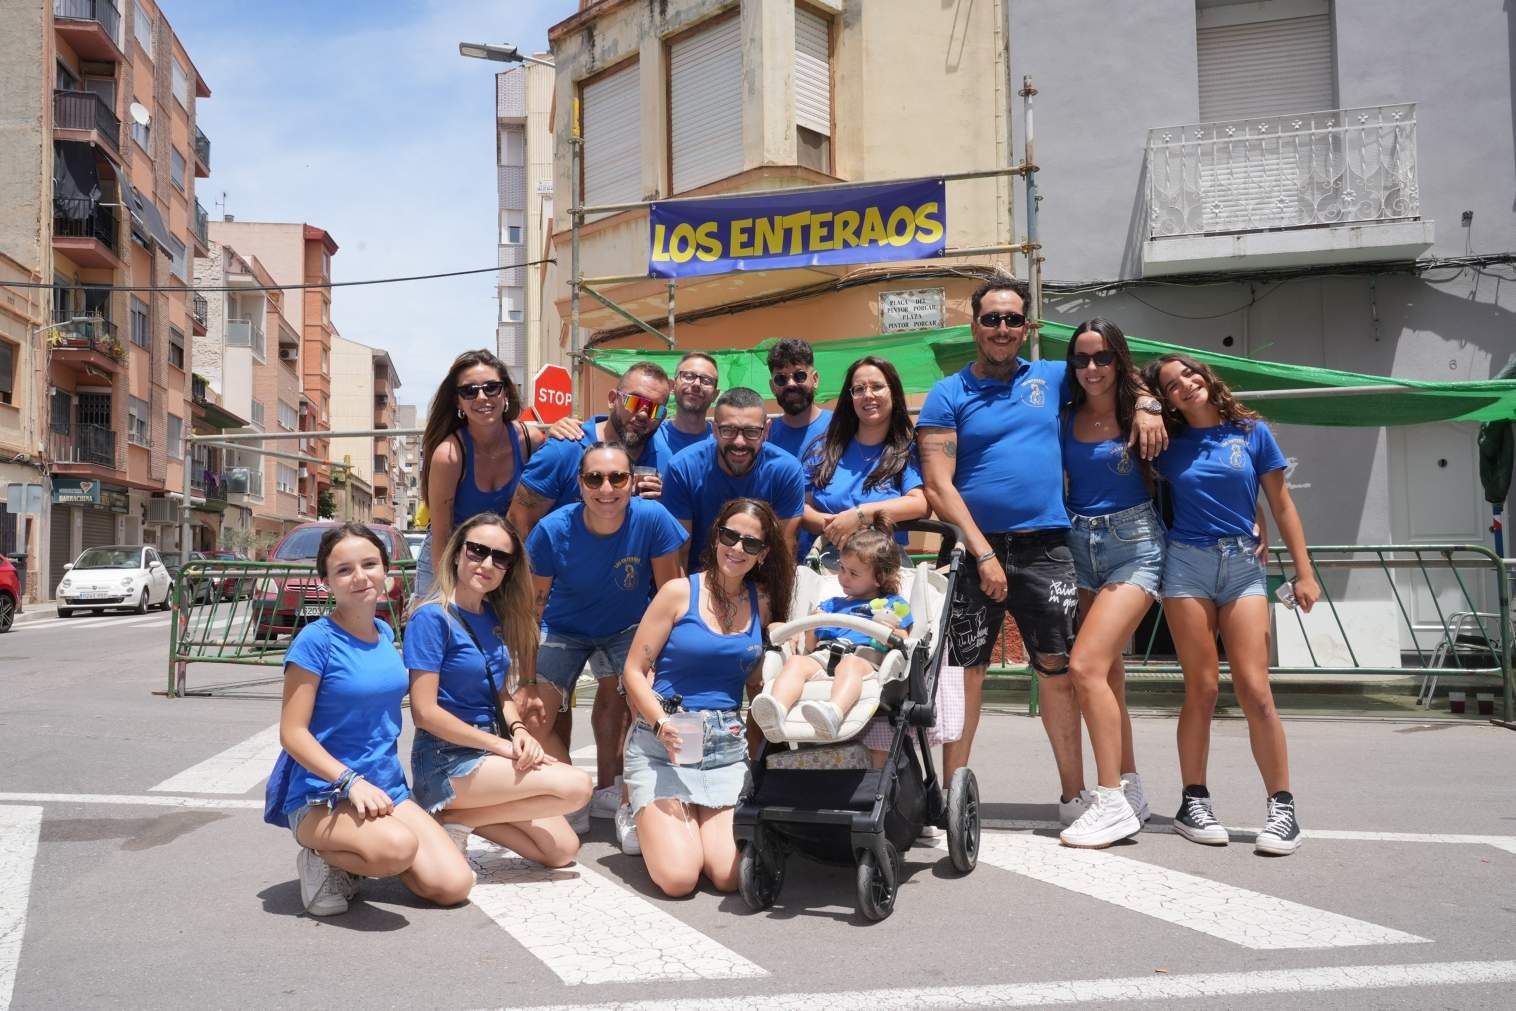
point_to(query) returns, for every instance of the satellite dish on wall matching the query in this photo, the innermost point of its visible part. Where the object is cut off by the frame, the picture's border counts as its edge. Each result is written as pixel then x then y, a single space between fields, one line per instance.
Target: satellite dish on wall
pixel 139 113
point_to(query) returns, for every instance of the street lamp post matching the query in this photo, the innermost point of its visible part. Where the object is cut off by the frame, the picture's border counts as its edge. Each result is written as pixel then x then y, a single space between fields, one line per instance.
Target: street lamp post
pixel 500 52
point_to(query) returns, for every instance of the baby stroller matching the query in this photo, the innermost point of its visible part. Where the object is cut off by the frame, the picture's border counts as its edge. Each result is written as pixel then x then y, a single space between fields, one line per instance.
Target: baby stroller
pixel 826 801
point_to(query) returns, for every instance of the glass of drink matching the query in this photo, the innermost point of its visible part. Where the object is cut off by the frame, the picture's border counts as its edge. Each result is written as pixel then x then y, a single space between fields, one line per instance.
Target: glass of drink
pixel 691 728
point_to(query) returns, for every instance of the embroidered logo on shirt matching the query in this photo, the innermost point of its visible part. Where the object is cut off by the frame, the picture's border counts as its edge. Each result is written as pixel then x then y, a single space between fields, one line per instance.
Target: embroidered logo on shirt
pixel 1238 450
pixel 1121 460
pixel 628 567
pixel 1036 392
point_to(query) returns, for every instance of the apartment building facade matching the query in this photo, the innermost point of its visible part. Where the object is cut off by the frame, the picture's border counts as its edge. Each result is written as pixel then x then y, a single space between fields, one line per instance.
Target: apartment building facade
pixel 407 492
pixel 364 385
pixel 527 325
pixel 99 157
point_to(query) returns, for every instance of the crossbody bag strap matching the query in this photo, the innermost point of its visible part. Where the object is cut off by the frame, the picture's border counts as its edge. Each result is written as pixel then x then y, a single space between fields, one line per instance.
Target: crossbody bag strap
pixel 489 670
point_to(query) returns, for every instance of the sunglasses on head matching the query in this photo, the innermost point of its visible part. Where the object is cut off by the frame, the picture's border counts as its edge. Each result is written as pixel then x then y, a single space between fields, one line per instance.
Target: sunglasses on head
pixel 642 405
pixel 798 377
pixel 992 320
pixel 477 553
pixel 731 538
pixel 470 391
pixel 593 479
pixel 1084 361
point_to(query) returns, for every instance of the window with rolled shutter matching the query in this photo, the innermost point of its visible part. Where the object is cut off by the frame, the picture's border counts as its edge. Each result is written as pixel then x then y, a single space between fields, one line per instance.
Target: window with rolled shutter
pixel 1264 59
pixel 705 104
pixel 813 89
pixel 610 117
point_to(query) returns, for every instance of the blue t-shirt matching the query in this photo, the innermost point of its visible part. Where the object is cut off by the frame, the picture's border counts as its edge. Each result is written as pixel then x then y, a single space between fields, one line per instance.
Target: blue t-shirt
pixel 1103 477
pixel 554 469
pixel 845 490
pixel 1214 474
pixel 601 585
pixel 434 641
pixel 863 608
pixel 1009 463
pixel 356 717
pixel 668 440
pixel 794 441
pixel 695 488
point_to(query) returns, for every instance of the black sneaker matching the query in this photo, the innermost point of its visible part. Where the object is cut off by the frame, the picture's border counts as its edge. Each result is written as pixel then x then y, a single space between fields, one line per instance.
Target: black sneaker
pixel 1281 833
pixel 1195 821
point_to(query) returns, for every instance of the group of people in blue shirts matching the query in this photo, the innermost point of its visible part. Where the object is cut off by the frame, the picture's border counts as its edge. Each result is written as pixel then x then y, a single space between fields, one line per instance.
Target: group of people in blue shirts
pixel 655 544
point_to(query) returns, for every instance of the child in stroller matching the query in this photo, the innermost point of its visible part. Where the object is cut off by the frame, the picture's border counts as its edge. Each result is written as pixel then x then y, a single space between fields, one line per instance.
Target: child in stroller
pixel 869 572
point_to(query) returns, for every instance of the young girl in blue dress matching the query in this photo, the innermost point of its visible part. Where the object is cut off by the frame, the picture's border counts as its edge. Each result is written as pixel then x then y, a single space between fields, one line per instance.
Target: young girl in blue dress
pixel 338 785
pixel 1219 456
pixel 474 763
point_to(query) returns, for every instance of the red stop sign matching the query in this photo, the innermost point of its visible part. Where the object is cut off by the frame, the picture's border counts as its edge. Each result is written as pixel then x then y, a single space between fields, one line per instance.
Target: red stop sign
pixel 552 393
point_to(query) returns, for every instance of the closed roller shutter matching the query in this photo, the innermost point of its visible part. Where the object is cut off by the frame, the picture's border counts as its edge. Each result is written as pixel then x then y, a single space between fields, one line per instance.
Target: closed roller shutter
pixel 705 105
pixel 99 528
pixel 612 141
pixel 813 72
pixel 60 546
pixel 1265 68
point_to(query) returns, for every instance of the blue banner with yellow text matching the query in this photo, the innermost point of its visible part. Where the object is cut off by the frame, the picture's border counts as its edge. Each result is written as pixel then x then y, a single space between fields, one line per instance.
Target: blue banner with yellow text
pixel 808 228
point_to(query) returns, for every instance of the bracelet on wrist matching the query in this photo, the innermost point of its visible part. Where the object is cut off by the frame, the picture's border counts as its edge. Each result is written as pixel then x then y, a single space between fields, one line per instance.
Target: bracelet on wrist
pixel 657 727
pixel 981 559
pixel 514 724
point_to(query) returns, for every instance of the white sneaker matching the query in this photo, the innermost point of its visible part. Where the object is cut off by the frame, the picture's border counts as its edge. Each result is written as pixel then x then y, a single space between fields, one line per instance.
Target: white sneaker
pixel 605 801
pixel 930 835
pixel 626 831
pixel 579 820
pixel 1131 785
pixel 458 834
pixel 320 892
pixel 769 715
pixel 1069 811
pixel 824 718
pixel 1108 819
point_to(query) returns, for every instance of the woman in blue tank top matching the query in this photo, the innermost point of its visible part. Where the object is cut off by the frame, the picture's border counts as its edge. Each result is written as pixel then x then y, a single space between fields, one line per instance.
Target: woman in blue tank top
pixel 696 648
pixel 472 452
pixel 1117 542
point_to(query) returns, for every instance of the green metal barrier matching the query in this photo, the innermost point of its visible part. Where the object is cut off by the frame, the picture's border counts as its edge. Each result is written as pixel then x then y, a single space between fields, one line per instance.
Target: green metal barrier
pixel 244 614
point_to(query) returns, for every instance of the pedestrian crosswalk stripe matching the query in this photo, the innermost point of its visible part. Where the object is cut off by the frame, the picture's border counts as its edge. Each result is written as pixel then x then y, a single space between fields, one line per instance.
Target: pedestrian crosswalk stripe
pixel 234 771
pixel 589 929
pixel 20 829
pixel 104 621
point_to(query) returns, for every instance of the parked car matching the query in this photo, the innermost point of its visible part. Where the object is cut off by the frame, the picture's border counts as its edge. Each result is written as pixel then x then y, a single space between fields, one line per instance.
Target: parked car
pixel 10 594
pixel 126 576
pixel 415 538
pixel 281 604
pixel 201 587
pixel 229 586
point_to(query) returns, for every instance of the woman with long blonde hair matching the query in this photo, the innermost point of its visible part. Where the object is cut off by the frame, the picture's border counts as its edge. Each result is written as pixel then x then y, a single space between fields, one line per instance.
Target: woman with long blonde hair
pixel 468 646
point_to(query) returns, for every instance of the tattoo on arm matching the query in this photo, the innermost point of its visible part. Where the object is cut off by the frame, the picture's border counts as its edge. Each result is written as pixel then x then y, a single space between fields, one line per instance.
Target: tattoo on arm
pixel 950 449
pixel 529 500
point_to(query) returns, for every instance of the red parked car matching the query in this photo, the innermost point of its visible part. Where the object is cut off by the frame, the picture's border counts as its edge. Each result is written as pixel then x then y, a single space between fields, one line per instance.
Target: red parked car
pixel 281 606
pixel 10 594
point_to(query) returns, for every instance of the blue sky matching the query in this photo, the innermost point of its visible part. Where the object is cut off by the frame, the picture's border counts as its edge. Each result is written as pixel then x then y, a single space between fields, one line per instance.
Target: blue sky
pixel 362 118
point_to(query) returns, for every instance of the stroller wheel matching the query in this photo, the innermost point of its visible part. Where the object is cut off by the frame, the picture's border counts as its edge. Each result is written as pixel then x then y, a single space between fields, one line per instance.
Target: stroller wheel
pixel 760 874
pixel 877 884
pixel 963 820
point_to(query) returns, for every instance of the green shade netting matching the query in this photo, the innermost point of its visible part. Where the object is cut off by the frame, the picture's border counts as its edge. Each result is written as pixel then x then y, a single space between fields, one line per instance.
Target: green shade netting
pixel 924 356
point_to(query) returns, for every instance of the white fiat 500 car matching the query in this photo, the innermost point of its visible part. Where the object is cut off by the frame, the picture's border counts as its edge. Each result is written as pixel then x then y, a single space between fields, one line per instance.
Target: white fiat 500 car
pixel 120 576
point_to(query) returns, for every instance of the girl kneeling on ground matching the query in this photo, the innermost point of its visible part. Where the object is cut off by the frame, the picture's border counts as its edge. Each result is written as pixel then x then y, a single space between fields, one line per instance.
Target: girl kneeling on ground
pixel 338 785
pixel 475 765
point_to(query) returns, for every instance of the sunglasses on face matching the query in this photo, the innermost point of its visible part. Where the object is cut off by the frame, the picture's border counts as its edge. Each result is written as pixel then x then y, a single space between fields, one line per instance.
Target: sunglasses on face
pixel 992 320
pixel 798 377
pixel 731 538
pixel 477 553
pixel 1083 361
pixel 709 382
pixel 470 391
pixel 752 433
pixel 642 405
pixel 593 479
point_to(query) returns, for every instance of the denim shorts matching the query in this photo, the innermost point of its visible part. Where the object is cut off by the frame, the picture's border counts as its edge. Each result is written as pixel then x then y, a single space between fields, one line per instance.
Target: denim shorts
pixel 561 658
pixel 434 763
pixel 716 782
pixel 1222 570
pixel 1121 547
pixel 423 569
pixel 298 815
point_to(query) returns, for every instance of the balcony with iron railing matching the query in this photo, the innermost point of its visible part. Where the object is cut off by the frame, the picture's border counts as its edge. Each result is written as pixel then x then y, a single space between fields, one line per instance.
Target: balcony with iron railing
pixel 199 310
pixel 87 446
pixel 202 154
pixel 85 116
pixel 1305 188
pixel 87 232
pixel 90 27
pixel 202 227
pixel 85 343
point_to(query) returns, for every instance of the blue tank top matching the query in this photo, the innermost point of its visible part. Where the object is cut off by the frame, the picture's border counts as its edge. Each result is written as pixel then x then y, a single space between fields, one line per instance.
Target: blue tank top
pixel 708 669
pixel 469 500
pixel 1104 477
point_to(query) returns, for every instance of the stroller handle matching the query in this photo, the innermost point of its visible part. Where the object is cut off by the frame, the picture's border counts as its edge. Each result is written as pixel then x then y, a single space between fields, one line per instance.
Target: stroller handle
pixel 952 536
pixel 891 637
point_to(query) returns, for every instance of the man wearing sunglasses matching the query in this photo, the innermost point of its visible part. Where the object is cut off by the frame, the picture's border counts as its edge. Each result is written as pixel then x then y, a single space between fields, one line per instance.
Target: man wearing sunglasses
pixel 738 463
pixel 636 408
pixel 991 460
pixel 793 378
pixel 695 382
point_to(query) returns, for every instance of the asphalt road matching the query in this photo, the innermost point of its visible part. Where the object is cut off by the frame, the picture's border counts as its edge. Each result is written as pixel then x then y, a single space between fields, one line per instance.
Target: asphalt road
pixel 135 871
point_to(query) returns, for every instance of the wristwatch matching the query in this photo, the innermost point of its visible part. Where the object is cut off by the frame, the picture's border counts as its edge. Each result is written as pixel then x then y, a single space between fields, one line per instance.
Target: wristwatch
pixel 1149 405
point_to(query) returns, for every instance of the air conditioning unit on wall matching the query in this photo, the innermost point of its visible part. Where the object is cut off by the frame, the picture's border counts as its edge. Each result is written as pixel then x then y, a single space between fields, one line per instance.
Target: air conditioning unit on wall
pixel 162 510
pixel 288 354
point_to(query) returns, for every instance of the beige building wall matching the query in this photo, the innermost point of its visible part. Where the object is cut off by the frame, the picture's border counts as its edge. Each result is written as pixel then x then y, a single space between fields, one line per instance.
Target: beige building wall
pixel 352 408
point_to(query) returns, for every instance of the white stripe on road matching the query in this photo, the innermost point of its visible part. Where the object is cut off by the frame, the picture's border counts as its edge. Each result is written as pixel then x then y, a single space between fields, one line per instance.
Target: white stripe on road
pixel 102 621
pixel 1327 979
pixel 1244 917
pixel 1247 835
pixel 20 828
pixel 129 800
pixel 551 913
pixel 236 770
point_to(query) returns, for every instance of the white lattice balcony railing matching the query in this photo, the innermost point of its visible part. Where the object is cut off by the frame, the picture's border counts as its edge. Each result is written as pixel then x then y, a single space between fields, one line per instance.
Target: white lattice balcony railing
pixel 1342 166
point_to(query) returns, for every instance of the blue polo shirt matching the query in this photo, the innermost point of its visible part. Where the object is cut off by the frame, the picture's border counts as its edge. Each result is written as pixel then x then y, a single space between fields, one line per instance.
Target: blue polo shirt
pixel 795 440
pixel 435 641
pixel 1214 474
pixel 1009 464
pixel 553 471
pixel 845 490
pixel 601 584
pixel 669 440
pixel 695 488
